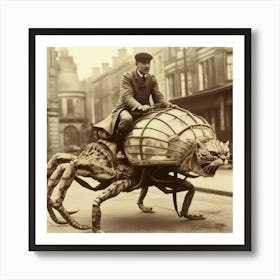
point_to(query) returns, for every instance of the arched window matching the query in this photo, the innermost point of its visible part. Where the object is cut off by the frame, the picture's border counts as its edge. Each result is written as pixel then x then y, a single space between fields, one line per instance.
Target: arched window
pixel 71 136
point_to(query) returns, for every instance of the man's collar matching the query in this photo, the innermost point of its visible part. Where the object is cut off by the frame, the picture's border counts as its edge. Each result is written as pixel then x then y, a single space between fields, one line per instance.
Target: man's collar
pixel 141 75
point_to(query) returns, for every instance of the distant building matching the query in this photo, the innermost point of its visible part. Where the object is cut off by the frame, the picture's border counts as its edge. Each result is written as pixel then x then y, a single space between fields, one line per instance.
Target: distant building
pixel 73 129
pixel 198 79
pixel 208 91
pixel 53 143
pixel 105 84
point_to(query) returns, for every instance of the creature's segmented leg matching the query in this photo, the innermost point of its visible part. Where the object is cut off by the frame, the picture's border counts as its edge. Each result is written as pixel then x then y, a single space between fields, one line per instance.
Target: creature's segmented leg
pixel 113 190
pixel 56 166
pixel 140 204
pixel 52 183
pixel 188 200
pixel 57 159
pixel 167 184
pixel 63 185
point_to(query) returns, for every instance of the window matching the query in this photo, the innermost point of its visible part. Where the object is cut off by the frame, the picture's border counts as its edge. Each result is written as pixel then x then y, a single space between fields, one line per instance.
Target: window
pixel 212 72
pixel 167 88
pixel 171 52
pixel 190 84
pixel 159 64
pixel 70 108
pixel 79 108
pixel 183 84
pixel 171 86
pixel 213 120
pixel 70 136
pixel 205 66
pixel 63 107
pixel 154 66
pixel 228 117
pixel 222 115
pixel 200 77
pixel 106 105
pixel 229 66
pixel 206 74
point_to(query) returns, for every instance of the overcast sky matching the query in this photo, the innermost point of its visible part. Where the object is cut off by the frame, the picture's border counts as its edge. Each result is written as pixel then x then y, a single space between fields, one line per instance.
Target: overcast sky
pixel 86 58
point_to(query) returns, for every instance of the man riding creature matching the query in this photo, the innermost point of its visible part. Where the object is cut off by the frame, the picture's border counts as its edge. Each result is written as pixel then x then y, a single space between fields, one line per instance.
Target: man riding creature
pixel 158 145
pixel 136 88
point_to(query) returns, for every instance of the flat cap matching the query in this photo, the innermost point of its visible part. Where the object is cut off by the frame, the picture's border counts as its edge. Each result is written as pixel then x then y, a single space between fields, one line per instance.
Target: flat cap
pixel 143 57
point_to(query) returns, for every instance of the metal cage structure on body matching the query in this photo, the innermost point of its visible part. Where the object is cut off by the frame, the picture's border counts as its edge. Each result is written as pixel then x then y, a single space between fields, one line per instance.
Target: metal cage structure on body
pixel 161 137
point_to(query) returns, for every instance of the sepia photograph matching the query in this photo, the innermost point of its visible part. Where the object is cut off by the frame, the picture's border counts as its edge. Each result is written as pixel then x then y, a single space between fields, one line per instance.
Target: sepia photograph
pixel 140 136
pixel 138 140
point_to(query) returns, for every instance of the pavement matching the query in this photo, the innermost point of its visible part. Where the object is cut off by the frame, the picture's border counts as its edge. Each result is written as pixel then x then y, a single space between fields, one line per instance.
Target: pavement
pixel 120 214
pixel 221 183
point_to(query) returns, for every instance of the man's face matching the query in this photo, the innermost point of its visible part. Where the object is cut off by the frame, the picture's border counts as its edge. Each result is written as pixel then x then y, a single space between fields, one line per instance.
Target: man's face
pixel 143 66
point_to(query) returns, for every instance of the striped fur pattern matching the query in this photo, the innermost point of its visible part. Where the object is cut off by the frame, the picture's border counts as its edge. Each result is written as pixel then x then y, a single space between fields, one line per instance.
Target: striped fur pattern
pixel 208 157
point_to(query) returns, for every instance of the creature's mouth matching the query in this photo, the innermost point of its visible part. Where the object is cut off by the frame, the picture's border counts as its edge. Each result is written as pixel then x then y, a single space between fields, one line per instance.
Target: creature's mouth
pixel 205 169
pixel 209 169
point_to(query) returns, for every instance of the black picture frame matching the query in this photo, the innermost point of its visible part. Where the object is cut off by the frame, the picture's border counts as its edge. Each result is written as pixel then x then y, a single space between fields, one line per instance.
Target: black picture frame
pixel 35 33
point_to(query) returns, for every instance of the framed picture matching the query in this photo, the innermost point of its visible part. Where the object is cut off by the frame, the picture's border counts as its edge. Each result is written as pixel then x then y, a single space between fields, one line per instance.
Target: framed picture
pixel 140 139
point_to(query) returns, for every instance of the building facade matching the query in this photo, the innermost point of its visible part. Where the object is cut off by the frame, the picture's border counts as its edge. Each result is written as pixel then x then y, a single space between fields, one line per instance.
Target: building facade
pixel 198 79
pixel 53 142
pixel 73 124
pixel 208 90
pixel 68 122
pixel 104 85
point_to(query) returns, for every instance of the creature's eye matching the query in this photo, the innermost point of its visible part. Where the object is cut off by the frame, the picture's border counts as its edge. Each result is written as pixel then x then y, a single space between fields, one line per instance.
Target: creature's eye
pixel 214 154
pixel 204 153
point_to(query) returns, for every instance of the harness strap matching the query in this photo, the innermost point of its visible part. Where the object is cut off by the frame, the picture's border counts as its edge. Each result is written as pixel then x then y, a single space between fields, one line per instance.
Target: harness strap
pixel 175 202
pixel 175 196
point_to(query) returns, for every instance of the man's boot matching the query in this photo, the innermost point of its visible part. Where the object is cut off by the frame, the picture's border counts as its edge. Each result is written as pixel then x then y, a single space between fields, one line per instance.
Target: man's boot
pixel 121 154
pixel 120 151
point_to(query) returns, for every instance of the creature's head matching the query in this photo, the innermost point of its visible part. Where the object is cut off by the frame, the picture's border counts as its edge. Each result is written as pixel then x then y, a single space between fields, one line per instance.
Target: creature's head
pixel 207 157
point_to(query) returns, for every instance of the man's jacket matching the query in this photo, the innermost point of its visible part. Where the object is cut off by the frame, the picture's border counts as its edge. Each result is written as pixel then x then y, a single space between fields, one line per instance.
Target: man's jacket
pixel 134 91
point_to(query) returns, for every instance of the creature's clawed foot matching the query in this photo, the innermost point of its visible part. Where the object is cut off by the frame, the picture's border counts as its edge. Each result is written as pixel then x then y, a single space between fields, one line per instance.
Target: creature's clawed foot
pixel 50 207
pixel 65 214
pixel 97 231
pixel 73 212
pixel 192 217
pixel 146 209
pixel 96 217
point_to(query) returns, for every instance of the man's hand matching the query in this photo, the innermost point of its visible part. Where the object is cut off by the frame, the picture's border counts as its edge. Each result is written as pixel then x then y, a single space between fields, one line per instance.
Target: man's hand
pixel 143 108
pixel 173 106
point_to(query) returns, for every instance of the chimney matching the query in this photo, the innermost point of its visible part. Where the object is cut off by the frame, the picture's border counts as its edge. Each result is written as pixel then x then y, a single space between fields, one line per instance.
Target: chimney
pixel 115 61
pixel 122 55
pixel 95 72
pixel 105 67
pixel 64 52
